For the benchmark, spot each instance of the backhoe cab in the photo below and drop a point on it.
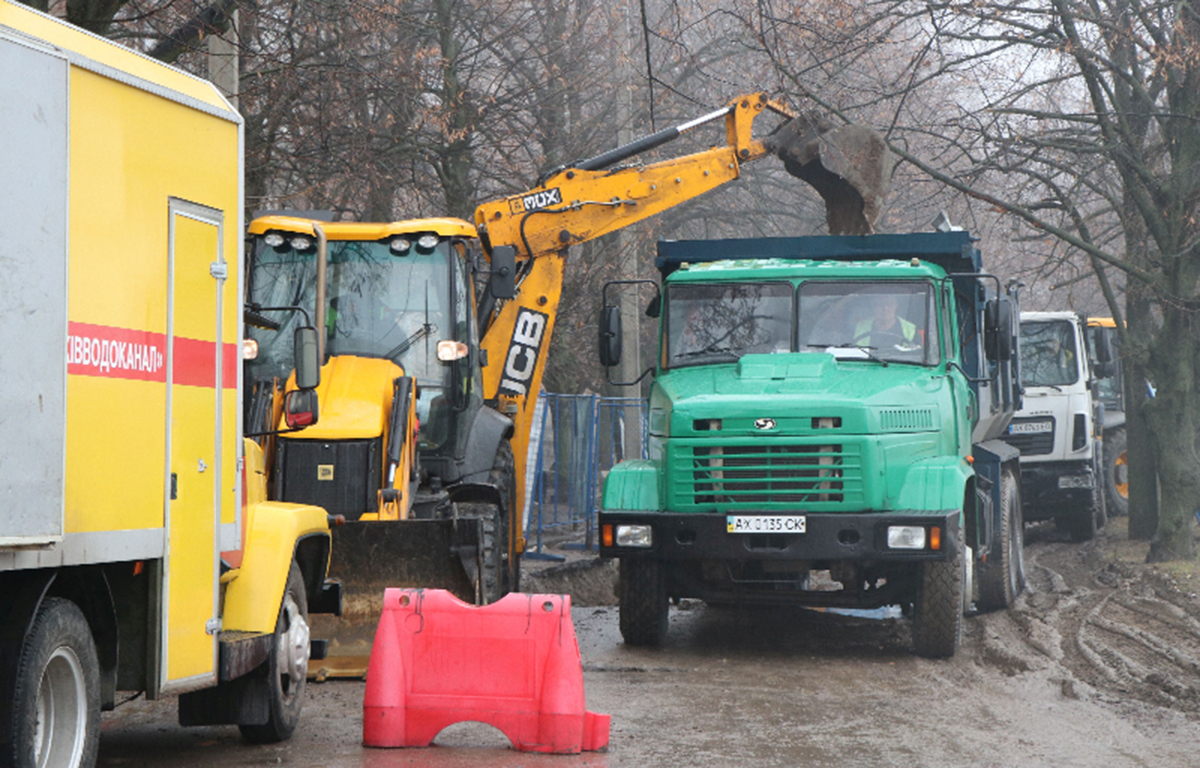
(403, 434)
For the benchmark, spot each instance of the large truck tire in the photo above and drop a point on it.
(56, 708)
(938, 608)
(286, 666)
(1084, 521)
(1004, 577)
(497, 578)
(507, 574)
(1116, 473)
(644, 611)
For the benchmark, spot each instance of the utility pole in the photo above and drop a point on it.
(223, 61)
(625, 239)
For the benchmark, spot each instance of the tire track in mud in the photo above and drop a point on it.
(1115, 631)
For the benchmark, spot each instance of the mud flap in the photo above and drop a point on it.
(370, 556)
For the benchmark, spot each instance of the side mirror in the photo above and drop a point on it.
(998, 329)
(1104, 349)
(308, 361)
(300, 408)
(654, 308)
(503, 281)
(1006, 329)
(1104, 370)
(610, 336)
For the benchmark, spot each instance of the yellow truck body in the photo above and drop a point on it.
(120, 451)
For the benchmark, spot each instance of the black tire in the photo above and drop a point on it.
(56, 704)
(1083, 521)
(501, 570)
(1004, 576)
(938, 608)
(286, 669)
(644, 611)
(1116, 473)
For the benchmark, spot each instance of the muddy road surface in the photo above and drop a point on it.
(1098, 664)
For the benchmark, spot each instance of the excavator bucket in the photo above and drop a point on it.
(370, 556)
(850, 166)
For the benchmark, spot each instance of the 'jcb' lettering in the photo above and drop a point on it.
(522, 359)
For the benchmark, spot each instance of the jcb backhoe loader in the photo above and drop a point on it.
(427, 391)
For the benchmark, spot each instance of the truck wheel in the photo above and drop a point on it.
(642, 591)
(1116, 473)
(286, 667)
(1004, 577)
(938, 608)
(56, 705)
(1083, 522)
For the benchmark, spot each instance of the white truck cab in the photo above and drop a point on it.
(1057, 430)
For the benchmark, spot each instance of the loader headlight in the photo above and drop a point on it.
(906, 537)
(249, 349)
(400, 245)
(273, 239)
(449, 351)
(427, 242)
(634, 536)
(302, 242)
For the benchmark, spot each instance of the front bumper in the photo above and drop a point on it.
(1041, 495)
(679, 537)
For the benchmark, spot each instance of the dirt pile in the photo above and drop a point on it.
(850, 166)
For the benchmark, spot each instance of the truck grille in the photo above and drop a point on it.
(1031, 443)
(753, 475)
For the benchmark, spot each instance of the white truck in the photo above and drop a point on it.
(1058, 429)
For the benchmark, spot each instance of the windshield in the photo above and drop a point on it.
(380, 304)
(1048, 355)
(721, 322)
(888, 321)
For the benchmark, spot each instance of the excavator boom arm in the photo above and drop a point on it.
(590, 199)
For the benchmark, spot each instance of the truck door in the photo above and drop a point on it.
(193, 480)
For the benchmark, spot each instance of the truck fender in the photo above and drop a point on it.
(991, 456)
(487, 430)
(273, 533)
(937, 483)
(632, 486)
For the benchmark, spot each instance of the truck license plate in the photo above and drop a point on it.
(1030, 427)
(765, 523)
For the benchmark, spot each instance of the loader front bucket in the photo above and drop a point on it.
(370, 556)
(850, 166)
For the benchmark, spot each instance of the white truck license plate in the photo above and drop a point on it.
(1030, 427)
(765, 523)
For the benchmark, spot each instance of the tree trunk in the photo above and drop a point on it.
(1139, 445)
(1172, 420)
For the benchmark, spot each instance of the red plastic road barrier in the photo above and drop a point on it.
(513, 664)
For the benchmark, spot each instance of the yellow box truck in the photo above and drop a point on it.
(137, 549)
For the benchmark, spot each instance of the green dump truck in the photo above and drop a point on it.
(824, 419)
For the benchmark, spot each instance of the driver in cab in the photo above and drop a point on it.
(884, 328)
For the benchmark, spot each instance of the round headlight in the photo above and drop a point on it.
(400, 245)
(301, 242)
(273, 239)
(427, 241)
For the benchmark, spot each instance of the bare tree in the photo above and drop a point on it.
(1079, 120)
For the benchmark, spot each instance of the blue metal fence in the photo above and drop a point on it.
(578, 440)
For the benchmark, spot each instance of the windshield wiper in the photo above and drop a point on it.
(861, 347)
(425, 330)
(711, 349)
